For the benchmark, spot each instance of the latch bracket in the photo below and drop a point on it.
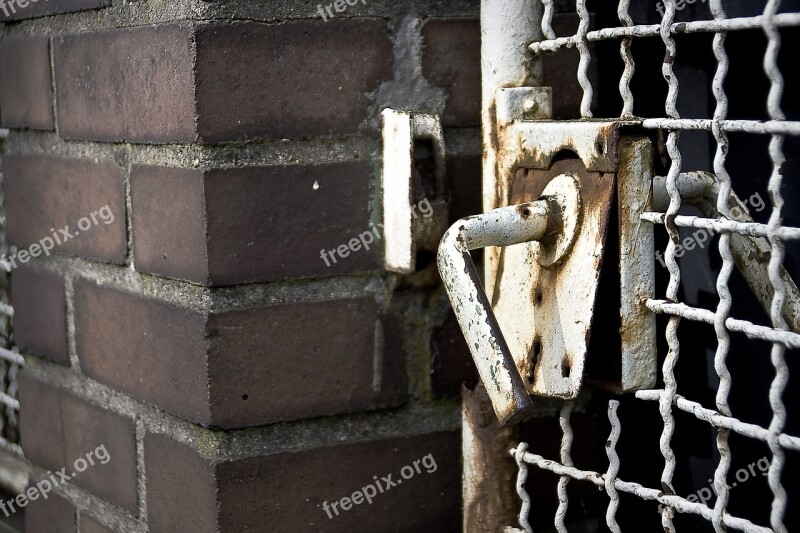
(544, 299)
(405, 232)
(545, 287)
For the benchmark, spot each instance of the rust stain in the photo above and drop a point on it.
(596, 188)
(486, 445)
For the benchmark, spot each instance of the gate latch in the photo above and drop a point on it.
(559, 182)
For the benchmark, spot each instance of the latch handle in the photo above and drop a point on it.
(505, 226)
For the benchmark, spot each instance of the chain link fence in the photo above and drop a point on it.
(768, 241)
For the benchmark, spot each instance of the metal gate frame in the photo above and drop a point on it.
(508, 27)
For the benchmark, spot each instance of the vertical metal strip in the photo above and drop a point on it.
(566, 460)
(627, 59)
(613, 467)
(638, 330)
(507, 28)
(725, 302)
(486, 467)
(585, 61)
(775, 266)
(670, 384)
(547, 20)
(522, 477)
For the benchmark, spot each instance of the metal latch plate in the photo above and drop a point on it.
(545, 304)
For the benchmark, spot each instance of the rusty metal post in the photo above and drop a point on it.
(506, 61)
(507, 27)
(488, 468)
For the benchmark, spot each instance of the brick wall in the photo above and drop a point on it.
(236, 382)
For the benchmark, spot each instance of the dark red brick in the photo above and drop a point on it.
(126, 85)
(271, 223)
(152, 350)
(292, 488)
(51, 515)
(227, 227)
(286, 491)
(38, 8)
(181, 491)
(59, 429)
(169, 222)
(41, 423)
(94, 429)
(295, 79)
(236, 368)
(452, 60)
(26, 89)
(40, 323)
(90, 525)
(45, 194)
(298, 361)
(464, 185)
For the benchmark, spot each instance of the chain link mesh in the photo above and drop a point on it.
(779, 332)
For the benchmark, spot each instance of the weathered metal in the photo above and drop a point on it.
(757, 249)
(654, 30)
(638, 356)
(545, 297)
(14, 469)
(612, 484)
(500, 227)
(530, 297)
(748, 240)
(535, 144)
(523, 103)
(487, 467)
(507, 26)
(404, 230)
